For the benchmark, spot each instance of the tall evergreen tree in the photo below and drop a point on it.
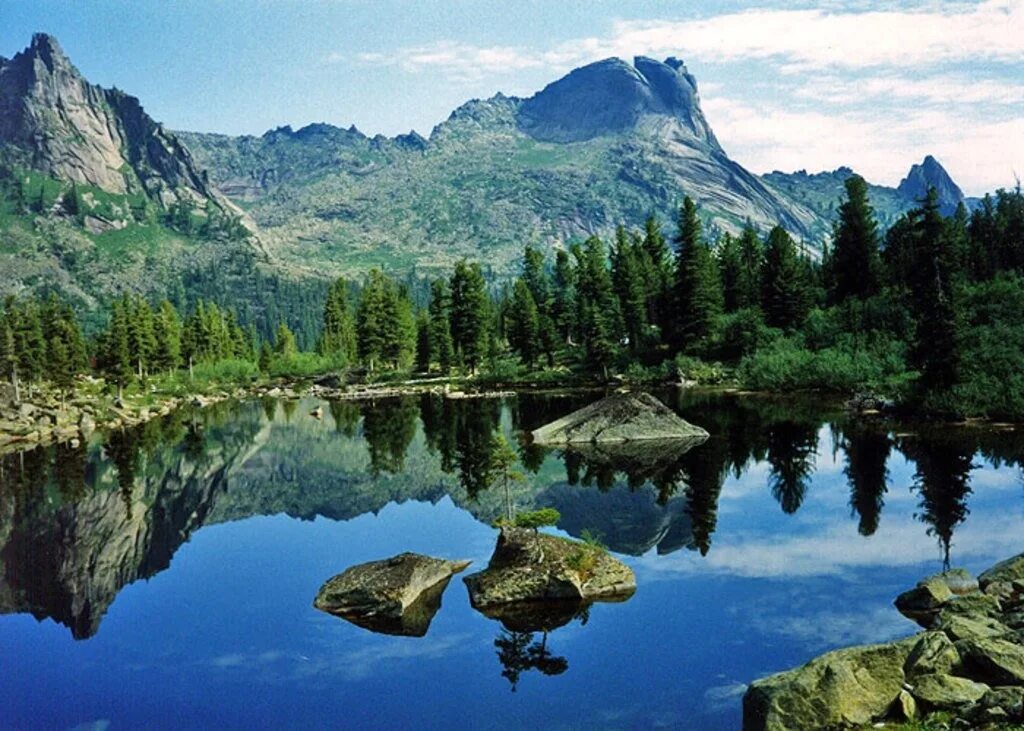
(749, 282)
(698, 291)
(338, 337)
(115, 359)
(630, 287)
(399, 327)
(785, 297)
(730, 268)
(855, 265)
(564, 301)
(538, 280)
(424, 354)
(523, 325)
(284, 341)
(935, 352)
(168, 338)
(8, 350)
(598, 317)
(657, 265)
(441, 345)
(471, 317)
(370, 326)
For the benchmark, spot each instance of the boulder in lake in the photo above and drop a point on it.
(621, 417)
(528, 566)
(848, 687)
(398, 595)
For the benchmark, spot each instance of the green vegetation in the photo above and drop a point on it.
(537, 518)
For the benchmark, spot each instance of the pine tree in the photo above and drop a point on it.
(855, 265)
(471, 318)
(630, 287)
(424, 356)
(440, 325)
(657, 264)
(523, 324)
(168, 338)
(598, 316)
(730, 267)
(538, 281)
(785, 298)
(749, 282)
(370, 316)
(935, 351)
(399, 327)
(115, 358)
(61, 366)
(284, 341)
(563, 309)
(142, 342)
(30, 344)
(698, 291)
(338, 338)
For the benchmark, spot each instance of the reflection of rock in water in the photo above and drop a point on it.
(626, 521)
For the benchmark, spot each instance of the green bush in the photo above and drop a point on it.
(743, 332)
(537, 518)
(297, 365)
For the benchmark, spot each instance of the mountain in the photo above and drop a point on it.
(930, 174)
(823, 192)
(608, 144)
(97, 197)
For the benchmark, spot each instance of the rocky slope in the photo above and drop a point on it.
(609, 143)
(930, 174)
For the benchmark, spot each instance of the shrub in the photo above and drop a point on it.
(537, 518)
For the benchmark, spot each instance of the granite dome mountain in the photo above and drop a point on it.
(97, 196)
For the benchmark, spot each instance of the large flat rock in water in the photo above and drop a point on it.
(397, 595)
(621, 417)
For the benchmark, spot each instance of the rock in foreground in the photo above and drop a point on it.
(398, 595)
(621, 417)
(534, 567)
(970, 665)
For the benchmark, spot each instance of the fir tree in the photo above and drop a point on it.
(730, 267)
(855, 265)
(399, 327)
(785, 297)
(142, 342)
(698, 291)
(370, 326)
(935, 352)
(563, 310)
(749, 281)
(8, 350)
(537, 279)
(598, 317)
(115, 358)
(657, 270)
(168, 338)
(470, 320)
(284, 342)
(630, 287)
(423, 340)
(523, 324)
(440, 325)
(338, 338)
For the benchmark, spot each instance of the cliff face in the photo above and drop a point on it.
(55, 122)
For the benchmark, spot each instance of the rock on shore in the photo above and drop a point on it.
(398, 595)
(621, 417)
(969, 663)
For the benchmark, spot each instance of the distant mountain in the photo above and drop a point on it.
(608, 144)
(824, 192)
(930, 174)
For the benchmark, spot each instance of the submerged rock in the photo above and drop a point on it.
(528, 566)
(621, 417)
(398, 595)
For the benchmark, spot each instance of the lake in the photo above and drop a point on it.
(163, 577)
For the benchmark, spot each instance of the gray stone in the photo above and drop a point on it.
(962, 627)
(1009, 699)
(397, 595)
(528, 566)
(947, 692)
(1008, 571)
(621, 417)
(994, 660)
(923, 603)
(849, 687)
(904, 708)
(932, 653)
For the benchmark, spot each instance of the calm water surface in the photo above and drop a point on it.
(163, 577)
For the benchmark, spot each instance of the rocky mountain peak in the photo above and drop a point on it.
(46, 48)
(612, 96)
(930, 174)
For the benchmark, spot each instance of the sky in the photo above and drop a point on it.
(872, 84)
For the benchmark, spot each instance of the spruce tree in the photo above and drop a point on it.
(538, 280)
(698, 291)
(338, 338)
(630, 287)
(471, 318)
(730, 267)
(284, 341)
(399, 327)
(599, 319)
(855, 265)
(563, 311)
(441, 345)
(935, 351)
(61, 366)
(785, 297)
(168, 338)
(115, 358)
(142, 342)
(424, 355)
(657, 264)
(8, 351)
(370, 316)
(523, 324)
(748, 285)
(30, 343)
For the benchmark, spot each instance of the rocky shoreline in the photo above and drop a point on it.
(965, 670)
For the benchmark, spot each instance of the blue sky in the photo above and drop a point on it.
(871, 84)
